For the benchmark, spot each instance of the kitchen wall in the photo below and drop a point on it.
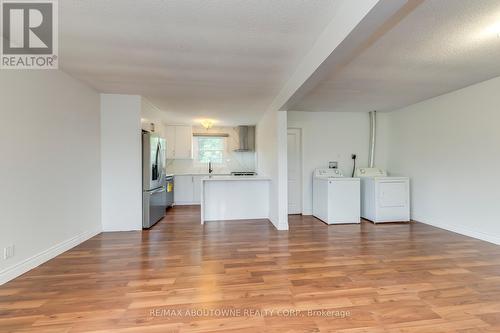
(330, 136)
(271, 147)
(449, 146)
(235, 161)
(50, 175)
(121, 160)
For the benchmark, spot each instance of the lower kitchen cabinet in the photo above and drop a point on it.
(187, 189)
(197, 189)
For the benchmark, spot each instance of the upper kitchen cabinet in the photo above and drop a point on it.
(170, 137)
(179, 141)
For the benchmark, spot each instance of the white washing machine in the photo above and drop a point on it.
(336, 199)
(383, 198)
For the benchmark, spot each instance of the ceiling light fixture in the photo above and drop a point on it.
(493, 29)
(207, 123)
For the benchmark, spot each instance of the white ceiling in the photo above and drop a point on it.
(439, 47)
(221, 59)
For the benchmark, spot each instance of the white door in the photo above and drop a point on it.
(197, 189)
(294, 171)
(170, 136)
(183, 190)
(183, 142)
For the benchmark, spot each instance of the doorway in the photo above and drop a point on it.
(294, 141)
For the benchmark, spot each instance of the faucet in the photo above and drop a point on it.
(210, 170)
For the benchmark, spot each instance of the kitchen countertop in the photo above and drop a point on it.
(247, 178)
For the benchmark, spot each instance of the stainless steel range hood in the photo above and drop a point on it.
(246, 142)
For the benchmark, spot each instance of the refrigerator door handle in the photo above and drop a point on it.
(161, 162)
(160, 190)
(157, 162)
(164, 159)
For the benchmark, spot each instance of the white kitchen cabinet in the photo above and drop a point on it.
(187, 189)
(197, 189)
(183, 142)
(179, 141)
(170, 137)
(183, 190)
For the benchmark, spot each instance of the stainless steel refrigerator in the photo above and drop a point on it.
(154, 191)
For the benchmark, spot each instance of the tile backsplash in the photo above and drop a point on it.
(234, 161)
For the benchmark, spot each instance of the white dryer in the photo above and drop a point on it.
(336, 199)
(383, 198)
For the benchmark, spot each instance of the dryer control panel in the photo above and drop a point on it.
(370, 172)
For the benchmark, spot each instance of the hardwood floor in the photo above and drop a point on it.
(181, 276)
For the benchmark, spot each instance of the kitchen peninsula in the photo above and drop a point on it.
(234, 198)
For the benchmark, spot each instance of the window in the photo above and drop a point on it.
(210, 149)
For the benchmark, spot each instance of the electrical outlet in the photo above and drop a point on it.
(8, 252)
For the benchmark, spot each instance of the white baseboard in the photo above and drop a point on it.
(462, 231)
(307, 212)
(28, 264)
(277, 225)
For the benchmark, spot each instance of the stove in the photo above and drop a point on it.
(243, 173)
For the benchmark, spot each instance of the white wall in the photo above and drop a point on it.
(449, 146)
(330, 136)
(50, 198)
(271, 150)
(121, 162)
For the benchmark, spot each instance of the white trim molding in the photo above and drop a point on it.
(307, 212)
(282, 140)
(28, 264)
(462, 231)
